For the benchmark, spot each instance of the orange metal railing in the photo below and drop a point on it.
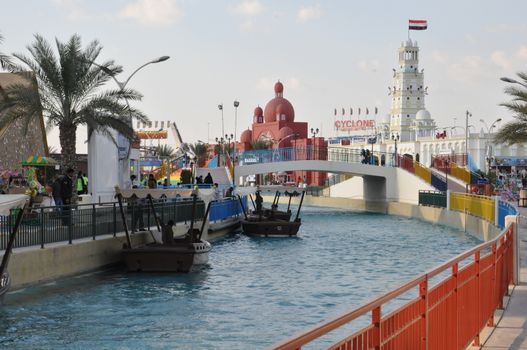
(446, 315)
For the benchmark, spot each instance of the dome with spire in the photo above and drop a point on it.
(282, 134)
(279, 108)
(258, 115)
(246, 136)
(423, 114)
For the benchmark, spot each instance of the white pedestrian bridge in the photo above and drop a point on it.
(373, 183)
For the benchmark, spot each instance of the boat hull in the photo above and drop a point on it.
(167, 258)
(270, 228)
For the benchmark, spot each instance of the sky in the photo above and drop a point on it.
(328, 54)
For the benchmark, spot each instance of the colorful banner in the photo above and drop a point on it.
(156, 135)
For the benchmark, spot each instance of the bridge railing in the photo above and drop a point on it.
(433, 198)
(345, 155)
(315, 153)
(454, 302)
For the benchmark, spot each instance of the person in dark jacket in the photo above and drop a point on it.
(66, 193)
(57, 197)
(208, 179)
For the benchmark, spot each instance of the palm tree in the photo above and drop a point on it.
(165, 151)
(515, 131)
(260, 144)
(5, 60)
(201, 152)
(67, 89)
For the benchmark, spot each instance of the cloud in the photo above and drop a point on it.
(439, 57)
(248, 8)
(74, 10)
(500, 59)
(368, 65)
(153, 12)
(309, 13)
(522, 52)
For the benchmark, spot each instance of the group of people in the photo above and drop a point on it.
(207, 180)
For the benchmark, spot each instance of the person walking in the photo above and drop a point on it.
(79, 184)
(259, 201)
(85, 183)
(152, 181)
(57, 196)
(66, 193)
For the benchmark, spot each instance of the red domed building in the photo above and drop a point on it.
(276, 123)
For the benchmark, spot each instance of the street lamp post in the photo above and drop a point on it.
(220, 107)
(314, 133)
(228, 139)
(122, 85)
(395, 137)
(236, 104)
(220, 142)
(488, 148)
(467, 134)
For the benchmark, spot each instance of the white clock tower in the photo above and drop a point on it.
(407, 92)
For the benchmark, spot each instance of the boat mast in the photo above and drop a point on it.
(11, 242)
(156, 218)
(243, 208)
(204, 220)
(300, 206)
(123, 217)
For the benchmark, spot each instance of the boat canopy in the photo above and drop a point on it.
(155, 193)
(206, 194)
(39, 161)
(11, 201)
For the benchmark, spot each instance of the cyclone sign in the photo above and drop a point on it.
(352, 125)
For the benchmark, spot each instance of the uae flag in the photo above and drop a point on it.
(414, 24)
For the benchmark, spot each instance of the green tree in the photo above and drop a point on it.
(5, 60)
(201, 152)
(164, 151)
(260, 144)
(68, 89)
(515, 131)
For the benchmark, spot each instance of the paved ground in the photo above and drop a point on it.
(511, 331)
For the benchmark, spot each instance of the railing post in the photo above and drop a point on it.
(70, 226)
(376, 322)
(114, 214)
(490, 323)
(423, 294)
(448, 199)
(42, 226)
(93, 221)
(496, 211)
(455, 270)
(478, 297)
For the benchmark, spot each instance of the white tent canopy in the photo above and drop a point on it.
(11, 201)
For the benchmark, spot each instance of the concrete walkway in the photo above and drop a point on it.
(511, 330)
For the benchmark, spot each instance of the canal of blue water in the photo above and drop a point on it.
(254, 292)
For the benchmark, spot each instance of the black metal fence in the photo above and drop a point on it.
(45, 225)
(433, 198)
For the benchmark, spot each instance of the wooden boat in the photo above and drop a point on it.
(8, 202)
(273, 212)
(267, 226)
(178, 254)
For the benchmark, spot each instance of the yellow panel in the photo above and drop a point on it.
(459, 173)
(480, 206)
(423, 172)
